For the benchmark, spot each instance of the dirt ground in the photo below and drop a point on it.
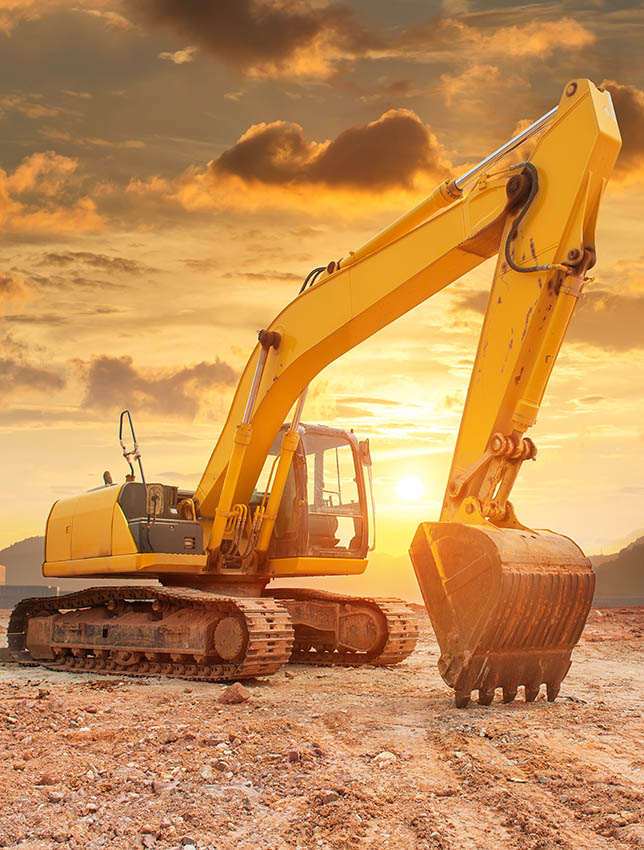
(319, 758)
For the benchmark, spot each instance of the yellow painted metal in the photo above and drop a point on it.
(81, 527)
(243, 436)
(151, 564)
(58, 533)
(288, 448)
(122, 540)
(351, 305)
(442, 196)
(88, 526)
(298, 567)
(574, 157)
(528, 312)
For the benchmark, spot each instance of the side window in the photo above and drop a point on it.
(335, 520)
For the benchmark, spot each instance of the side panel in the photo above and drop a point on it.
(295, 567)
(92, 523)
(151, 564)
(58, 533)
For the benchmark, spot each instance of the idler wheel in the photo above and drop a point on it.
(230, 638)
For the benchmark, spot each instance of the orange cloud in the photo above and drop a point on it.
(13, 290)
(277, 164)
(42, 177)
(12, 12)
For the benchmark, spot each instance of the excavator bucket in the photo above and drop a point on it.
(507, 606)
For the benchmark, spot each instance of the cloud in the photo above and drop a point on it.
(16, 375)
(112, 19)
(609, 321)
(114, 383)
(276, 164)
(13, 12)
(121, 265)
(475, 80)
(536, 39)
(30, 198)
(263, 37)
(180, 57)
(629, 108)
(386, 153)
(29, 105)
(12, 289)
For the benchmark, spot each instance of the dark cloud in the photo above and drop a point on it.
(384, 154)
(114, 383)
(16, 374)
(475, 301)
(609, 321)
(97, 261)
(629, 108)
(260, 36)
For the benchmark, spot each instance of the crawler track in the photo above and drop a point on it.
(268, 639)
(397, 640)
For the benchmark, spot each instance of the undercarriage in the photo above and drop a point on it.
(196, 634)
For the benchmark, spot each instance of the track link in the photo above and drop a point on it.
(397, 641)
(268, 644)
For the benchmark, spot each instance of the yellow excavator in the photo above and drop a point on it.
(280, 498)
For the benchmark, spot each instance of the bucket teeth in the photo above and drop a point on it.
(507, 605)
(509, 693)
(531, 692)
(486, 695)
(552, 690)
(462, 698)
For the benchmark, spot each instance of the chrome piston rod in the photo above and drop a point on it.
(505, 149)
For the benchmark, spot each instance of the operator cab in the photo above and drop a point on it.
(324, 509)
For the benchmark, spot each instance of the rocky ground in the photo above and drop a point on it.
(318, 758)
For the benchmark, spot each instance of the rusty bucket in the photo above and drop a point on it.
(507, 606)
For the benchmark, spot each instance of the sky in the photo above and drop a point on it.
(170, 170)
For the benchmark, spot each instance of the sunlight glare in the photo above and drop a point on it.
(410, 488)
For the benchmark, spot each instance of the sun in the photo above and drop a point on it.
(410, 489)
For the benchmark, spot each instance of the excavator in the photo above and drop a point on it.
(279, 498)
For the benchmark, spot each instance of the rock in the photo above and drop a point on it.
(221, 765)
(544, 779)
(329, 796)
(46, 779)
(56, 796)
(234, 694)
(293, 755)
(384, 758)
(148, 841)
(92, 807)
(147, 829)
(206, 772)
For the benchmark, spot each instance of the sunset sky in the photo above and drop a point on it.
(170, 170)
